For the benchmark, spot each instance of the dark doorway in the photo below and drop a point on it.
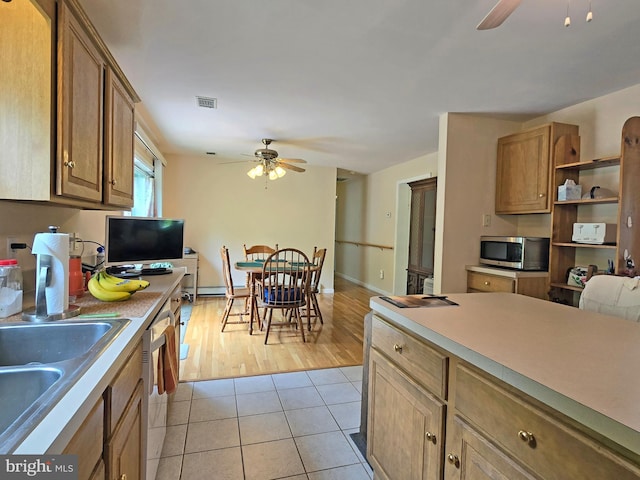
(422, 233)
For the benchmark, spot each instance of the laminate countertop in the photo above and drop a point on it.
(581, 363)
(53, 433)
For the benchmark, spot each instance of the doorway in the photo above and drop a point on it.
(422, 230)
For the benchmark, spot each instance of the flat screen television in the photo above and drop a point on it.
(139, 242)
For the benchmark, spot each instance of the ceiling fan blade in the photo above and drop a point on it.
(498, 14)
(291, 160)
(291, 167)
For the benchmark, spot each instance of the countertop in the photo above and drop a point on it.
(55, 431)
(581, 363)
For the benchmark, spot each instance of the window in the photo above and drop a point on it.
(147, 178)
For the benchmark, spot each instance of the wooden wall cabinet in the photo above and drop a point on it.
(89, 113)
(523, 174)
(94, 160)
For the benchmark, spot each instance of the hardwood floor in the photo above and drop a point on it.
(235, 353)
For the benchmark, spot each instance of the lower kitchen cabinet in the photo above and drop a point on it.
(485, 279)
(124, 450)
(514, 436)
(87, 444)
(405, 425)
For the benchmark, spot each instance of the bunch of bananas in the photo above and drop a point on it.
(108, 288)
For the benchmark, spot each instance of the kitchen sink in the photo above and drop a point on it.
(21, 387)
(39, 363)
(48, 342)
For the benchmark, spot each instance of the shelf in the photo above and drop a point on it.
(564, 286)
(587, 201)
(583, 245)
(596, 163)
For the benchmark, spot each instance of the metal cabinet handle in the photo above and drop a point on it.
(541, 195)
(487, 282)
(397, 348)
(527, 437)
(453, 460)
(431, 437)
(113, 182)
(69, 163)
(123, 476)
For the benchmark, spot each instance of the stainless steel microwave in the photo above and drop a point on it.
(520, 253)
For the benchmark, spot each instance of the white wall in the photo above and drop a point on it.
(221, 205)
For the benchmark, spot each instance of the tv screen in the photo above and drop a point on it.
(143, 240)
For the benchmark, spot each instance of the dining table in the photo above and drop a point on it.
(255, 268)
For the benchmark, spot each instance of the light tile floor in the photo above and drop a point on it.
(292, 426)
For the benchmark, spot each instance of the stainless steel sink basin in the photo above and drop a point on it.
(21, 387)
(39, 363)
(48, 342)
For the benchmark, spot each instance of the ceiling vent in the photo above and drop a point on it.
(207, 102)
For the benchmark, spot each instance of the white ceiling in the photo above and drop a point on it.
(357, 84)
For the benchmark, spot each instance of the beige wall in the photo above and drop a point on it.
(368, 211)
(221, 205)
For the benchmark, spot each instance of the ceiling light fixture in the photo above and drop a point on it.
(589, 13)
(268, 168)
(567, 20)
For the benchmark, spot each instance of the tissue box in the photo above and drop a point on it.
(569, 192)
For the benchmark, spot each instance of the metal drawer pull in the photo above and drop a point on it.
(431, 437)
(69, 164)
(397, 348)
(453, 460)
(487, 282)
(527, 437)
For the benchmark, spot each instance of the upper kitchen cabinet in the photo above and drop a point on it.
(66, 110)
(523, 174)
(27, 38)
(94, 160)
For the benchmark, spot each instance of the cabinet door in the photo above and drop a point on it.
(405, 425)
(124, 451)
(119, 128)
(470, 456)
(80, 90)
(522, 176)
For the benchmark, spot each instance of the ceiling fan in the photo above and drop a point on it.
(270, 164)
(498, 14)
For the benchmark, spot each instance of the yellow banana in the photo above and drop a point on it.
(115, 284)
(105, 295)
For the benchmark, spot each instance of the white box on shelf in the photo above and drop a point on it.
(569, 192)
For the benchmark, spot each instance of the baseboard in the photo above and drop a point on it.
(362, 284)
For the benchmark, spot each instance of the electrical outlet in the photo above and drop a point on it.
(486, 220)
(11, 253)
(381, 274)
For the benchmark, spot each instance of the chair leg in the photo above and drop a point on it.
(225, 314)
(267, 317)
(299, 320)
(316, 308)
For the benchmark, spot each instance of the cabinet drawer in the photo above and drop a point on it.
(425, 364)
(120, 391)
(481, 282)
(539, 441)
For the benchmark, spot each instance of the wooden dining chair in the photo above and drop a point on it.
(314, 287)
(232, 294)
(284, 286)
(258, 252)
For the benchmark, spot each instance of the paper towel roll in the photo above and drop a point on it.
(55, 245)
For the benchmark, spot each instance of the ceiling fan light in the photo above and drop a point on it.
(567, 21)
(259, 170)
(273, 175)
(252, 173)
(281, 172)
(589, 15)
